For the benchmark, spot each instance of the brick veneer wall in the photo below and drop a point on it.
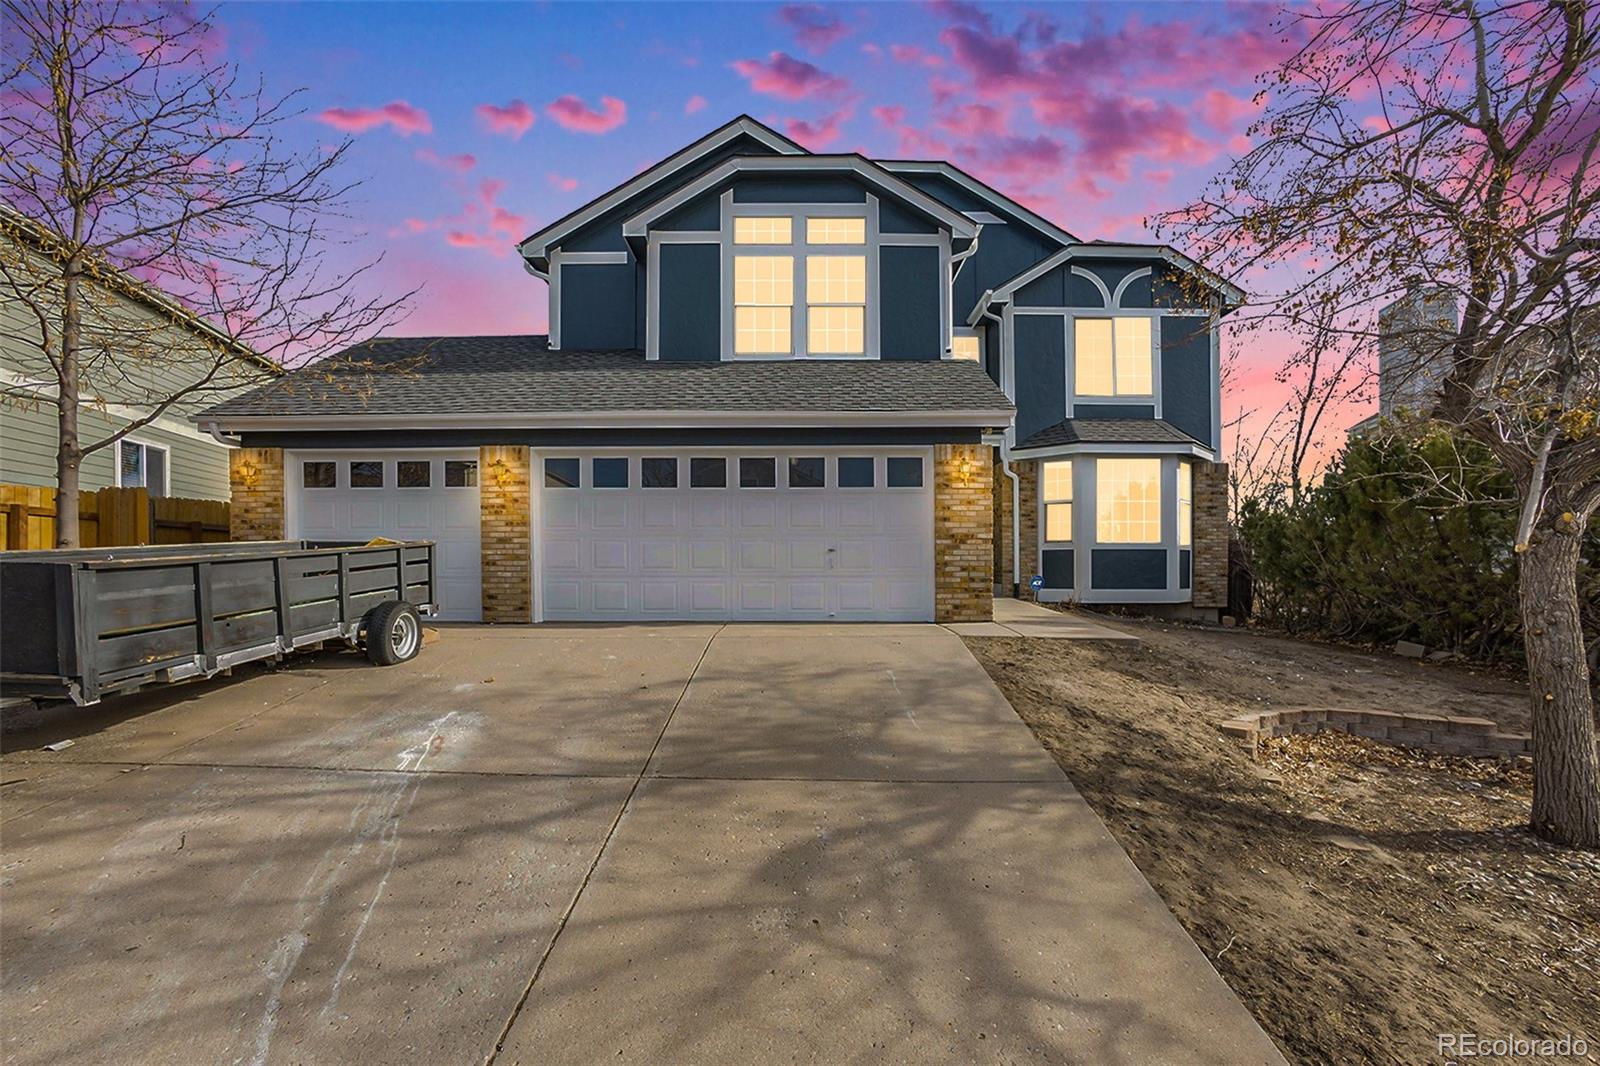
(255, 477)
(1028, 523)
(963, 533)
(1210, 535)
(505, 487)
(1002, 526)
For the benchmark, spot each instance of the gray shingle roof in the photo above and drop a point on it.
(517, 375)
(1109, 431)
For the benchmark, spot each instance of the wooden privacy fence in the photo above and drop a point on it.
(110, 517)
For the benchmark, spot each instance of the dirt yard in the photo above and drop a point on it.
(1359, 898)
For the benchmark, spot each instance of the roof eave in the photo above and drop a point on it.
(978, 418)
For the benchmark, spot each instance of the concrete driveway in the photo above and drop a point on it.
(569, 844)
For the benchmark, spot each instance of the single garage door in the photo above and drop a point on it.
(425, 495)
(736, 534)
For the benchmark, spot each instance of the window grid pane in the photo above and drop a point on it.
(658, 473)
(904, 472)
(763, 230)
(460, 473)
(1058, 522)
(763, 280)
(413, 474)
(708, 473)
(761, 330)
(758, 473)
(836, 231)
(1058, 480)
(836, 330)
(319, 475)
(836, 279)
(1092, 357)
(855, 472)
(366, 474)
(1133, 356)
(1185, 504)
(1128, 501)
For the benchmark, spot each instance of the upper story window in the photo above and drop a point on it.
(763, 304)
(1113, 357)
(779, 259)
(968, 345)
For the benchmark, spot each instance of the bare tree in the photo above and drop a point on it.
(1448, 144)
(129, 154)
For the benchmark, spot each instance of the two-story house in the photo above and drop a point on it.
(782, 385)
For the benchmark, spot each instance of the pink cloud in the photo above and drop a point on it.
(561, 182)
(821, 133)
(891, 115)
(693, 104)
(1223, 111)
(815, 28)
(792, 79)
(572, 113)
(911, 143)
(915, 55)
(458, 163)
(487, 242)
(973, 120)
(513, 120)
(416, 225)
(405, 119)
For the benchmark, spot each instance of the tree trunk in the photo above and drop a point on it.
(69, 452)
(1566, 782)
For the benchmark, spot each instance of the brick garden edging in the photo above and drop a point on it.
(1446, 734)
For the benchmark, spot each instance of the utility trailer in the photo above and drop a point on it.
(86, 623)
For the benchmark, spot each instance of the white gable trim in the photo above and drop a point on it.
(535, 246)
(979, 189)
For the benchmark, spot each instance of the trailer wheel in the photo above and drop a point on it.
(394, 633)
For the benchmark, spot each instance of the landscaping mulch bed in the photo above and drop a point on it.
(1361, 899)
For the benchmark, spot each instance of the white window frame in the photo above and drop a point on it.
(1046, 500)
(144, 464)
(798, 250)
(1114, 396)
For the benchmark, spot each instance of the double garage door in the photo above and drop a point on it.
(659, 534)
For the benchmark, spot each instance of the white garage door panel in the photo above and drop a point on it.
(742, 553)
(448, 516)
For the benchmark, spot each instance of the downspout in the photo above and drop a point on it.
(1011, 475)
(222, 438)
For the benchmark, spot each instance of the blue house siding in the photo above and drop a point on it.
(690, 293)
(1004, 251)
(597, 305)
(799, 189)
(1041, 373)
(1128, 568)
(1186, 374)
(893, 218)
(908, 298)
(702, 213)
(1059, 288)
(1113, 410)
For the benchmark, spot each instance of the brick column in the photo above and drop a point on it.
(1028, 523)
(255, 478)
(505, 488)
(963, 533)
(1211, 534)
(1002, 525)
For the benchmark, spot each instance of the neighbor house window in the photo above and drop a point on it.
(1057, 487)
(763, 304)
(1185, 504)
(968, 346)
(1112, 357)
(142, 466)
(1127, 503)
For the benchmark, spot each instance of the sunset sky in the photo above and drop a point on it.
(477, 123)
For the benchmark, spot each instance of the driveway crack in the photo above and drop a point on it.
(566, 915)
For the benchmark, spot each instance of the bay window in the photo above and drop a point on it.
(1185, 504)
(1128, 501)
(1058, 501)
(1113, 357)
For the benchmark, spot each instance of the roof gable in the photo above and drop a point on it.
(985, 194)
(857, 166)
(1232, 295)
(537, 245)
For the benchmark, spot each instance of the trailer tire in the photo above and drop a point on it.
(394, 633)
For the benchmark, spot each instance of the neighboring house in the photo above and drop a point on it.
(1411, 363)
(783, 385)
(140, 347)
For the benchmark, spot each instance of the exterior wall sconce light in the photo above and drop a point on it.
(249, 473)
(500, 470)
